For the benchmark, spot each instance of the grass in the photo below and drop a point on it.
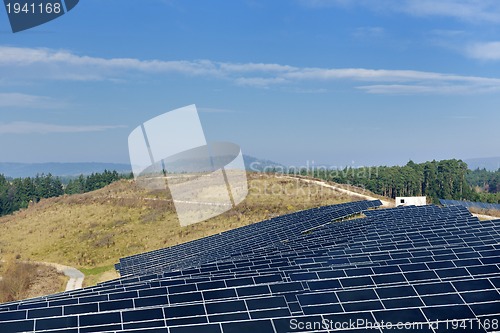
(487, 212)
(92, 231)
(96, 270)
(98, 274)
(16, 280)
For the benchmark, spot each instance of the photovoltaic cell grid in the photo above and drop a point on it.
(248, 237)
(470, 204)
(433, 269)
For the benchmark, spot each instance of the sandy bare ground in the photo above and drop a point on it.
(47, 280)
(486, 217)
(343, 190)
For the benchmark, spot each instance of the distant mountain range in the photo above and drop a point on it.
(488, 163)
(259, 165)
(16, 170)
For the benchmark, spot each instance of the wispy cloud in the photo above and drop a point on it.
(463, 43)
(261, 82)
(214, 110)
(254, 67)
(414, 89)
(477, 11)
(484, 51)
(403, 81)
(369, 32)
(448, 33)
(24, 127)
(19, 100)
(63, 65)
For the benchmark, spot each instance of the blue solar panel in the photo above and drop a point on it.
(470, 204)
(419, 264)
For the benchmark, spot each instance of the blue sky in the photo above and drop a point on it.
(336, 82)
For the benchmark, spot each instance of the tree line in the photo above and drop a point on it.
(446, 179)
(484, 180)
(486, 183)
(93, 182)
(18, 193)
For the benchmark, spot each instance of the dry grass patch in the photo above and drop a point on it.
(22, 280)
(487, 212)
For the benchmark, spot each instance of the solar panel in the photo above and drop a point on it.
(470, 204)
(422, 265)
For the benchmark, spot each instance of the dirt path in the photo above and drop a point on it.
(75, 276)
(485, 217)
(342, 190)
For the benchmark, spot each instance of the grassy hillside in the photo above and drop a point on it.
(92, 231)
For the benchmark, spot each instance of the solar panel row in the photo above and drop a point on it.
(470, 204)
(245, 238)
(429, 268)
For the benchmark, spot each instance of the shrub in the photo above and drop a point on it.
(16, 280)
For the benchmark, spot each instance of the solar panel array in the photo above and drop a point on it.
(406, 269)
(231, 242)
(470, 204)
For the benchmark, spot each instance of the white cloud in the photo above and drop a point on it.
(261, 82)
(19, 100)
(254, 67)
(484, 51)
(63, 65)
(387, 75)
(413, 89)
(25, 127)
(478, 11)
(467, 10)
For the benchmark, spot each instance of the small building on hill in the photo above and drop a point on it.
(411, 201)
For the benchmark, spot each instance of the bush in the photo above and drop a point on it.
(16, 280)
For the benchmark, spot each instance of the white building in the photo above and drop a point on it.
(411, 201)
